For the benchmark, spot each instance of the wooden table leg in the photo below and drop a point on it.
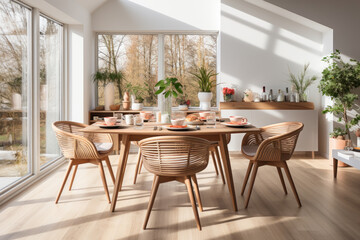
(335, 166)
(227, 167)
(124, 151)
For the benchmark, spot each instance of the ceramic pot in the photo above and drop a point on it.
(109, 95)
(16, 101)
(337, 143)
(205, 98)
(137, 106)
(126, 105)
(126, 97)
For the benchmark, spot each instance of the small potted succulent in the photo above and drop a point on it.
(137, 93)
(184, 104)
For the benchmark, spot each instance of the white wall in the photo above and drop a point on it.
(259, 43)
(156, 15)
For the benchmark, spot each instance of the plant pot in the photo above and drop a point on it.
(183, 107)
(115, 107)
(205, 100)
(126, 105)
(16, 101)
(137, 106)
(109, 95)
(126, 97)
(336, 143)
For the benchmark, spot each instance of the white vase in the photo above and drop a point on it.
(16, 101)
(109, 95)
(165, 108)
(205, 100)
(137, 106)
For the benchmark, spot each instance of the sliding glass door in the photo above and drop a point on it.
(15, 39)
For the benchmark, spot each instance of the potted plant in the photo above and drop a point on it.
(206, 82)
(184, 104)
(338, 80)
(228, 94)
(301, 82)
(137, 93)
(169, 87)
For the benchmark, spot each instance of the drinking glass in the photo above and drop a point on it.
(211, 120)
(138, 122)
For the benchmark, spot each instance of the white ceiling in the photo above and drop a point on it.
(91, 5)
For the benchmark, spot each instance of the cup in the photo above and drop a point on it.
(238, 119)
(129, 119)
(138, 121)
(211, 120)
(110, 121)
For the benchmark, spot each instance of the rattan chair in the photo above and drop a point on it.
(82, 148)
(175, 158)
(274, 145)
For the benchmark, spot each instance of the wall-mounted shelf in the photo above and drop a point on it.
(267, 105)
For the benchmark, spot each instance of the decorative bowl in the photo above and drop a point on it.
(238, 119)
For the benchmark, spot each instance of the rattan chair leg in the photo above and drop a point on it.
(141, 163)
(248, 171)
(281, 179)
(197, 192)
(108, 164)
(154, 190)
(65, 178)
(192, 200)
(252, 181)
(287, 171)
(219, 164)
(214, 161)
(137, 166)
(73, 177)
(103, 178)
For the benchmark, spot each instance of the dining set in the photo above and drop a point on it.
(178, 155)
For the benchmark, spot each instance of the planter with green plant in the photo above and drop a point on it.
(338, 81)
(137, 92)
(169, 87)
(108, 79)
(206, 81)
(302, 82)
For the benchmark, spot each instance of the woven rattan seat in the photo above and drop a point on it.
(82, 148)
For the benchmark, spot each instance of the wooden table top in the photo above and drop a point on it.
(148, 129)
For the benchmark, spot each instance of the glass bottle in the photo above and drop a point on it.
(286, 96)
(280, 97)
(264, 95)
(292, 95)
(270, 97)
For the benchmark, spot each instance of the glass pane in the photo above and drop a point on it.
(50, 87)
(14, 45)
(184, 54)
(136, 57)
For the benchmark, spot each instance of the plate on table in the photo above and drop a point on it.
(235, 124)
(198, 122)
(103, 125)
(179, 128)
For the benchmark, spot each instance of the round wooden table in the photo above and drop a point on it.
(132, 133)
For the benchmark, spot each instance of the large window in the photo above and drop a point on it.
(14, 77)
(50, 86)
(137, 57)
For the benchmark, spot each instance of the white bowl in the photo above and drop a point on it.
(238, 119)
(177, 122)
(110, 121)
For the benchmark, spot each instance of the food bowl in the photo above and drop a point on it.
(238, 119)
(177, 122)
(110, 121)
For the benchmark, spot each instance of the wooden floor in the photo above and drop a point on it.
(331, 208)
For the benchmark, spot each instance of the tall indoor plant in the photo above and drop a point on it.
(338, 81)
(206, 82)
(169, 87)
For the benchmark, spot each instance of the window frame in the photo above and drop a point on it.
(161, 66)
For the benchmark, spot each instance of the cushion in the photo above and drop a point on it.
(250, 150)
(103, 147)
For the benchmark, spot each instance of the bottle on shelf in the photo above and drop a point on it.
(292, 94)
(264, 95)
(280, 97)
(286, 96)
(271, 96)
(297, 96)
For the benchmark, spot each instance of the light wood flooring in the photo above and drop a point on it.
(331, 208)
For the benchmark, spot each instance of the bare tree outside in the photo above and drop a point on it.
(137, 57)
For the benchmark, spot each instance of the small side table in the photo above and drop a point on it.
(349, 157)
